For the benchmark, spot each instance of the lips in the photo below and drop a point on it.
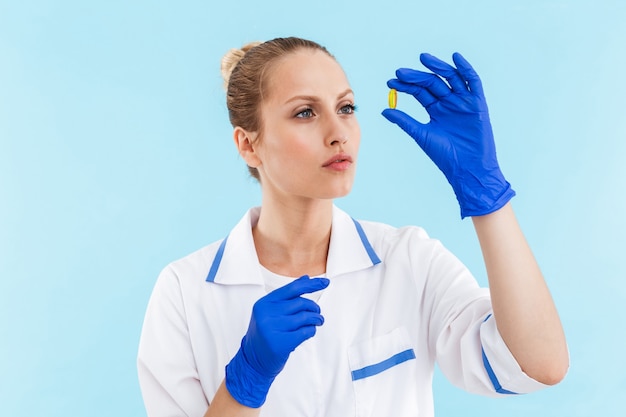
(340, 158)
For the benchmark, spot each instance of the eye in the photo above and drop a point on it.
(347, 109)
(305, 114)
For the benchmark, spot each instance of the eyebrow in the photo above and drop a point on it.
(316, 99)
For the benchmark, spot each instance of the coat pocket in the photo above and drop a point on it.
(384, 375)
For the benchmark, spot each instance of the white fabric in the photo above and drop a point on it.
(418, 299)
(273, 281)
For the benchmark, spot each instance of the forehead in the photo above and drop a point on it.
(305, 71)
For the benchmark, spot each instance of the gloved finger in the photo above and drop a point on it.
(297, 287)
(302, 334)
(468, 73)
(445, 70)
(433, 83)
(299, 304)
(418, 131)
(420, 93)
(298, 320)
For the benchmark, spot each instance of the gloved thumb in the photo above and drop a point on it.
(418, 131)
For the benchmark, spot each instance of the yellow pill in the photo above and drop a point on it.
(393, 98)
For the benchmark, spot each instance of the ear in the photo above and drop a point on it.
(244, 142)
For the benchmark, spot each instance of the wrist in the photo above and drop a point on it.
(478, 196)
(244, 383)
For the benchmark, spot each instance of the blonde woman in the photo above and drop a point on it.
(304, 311)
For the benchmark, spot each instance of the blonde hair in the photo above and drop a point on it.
(245, 71)
(232, 58)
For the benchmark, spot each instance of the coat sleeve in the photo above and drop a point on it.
(463, 334)
(167, 370)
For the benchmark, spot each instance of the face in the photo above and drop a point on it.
(310, 135)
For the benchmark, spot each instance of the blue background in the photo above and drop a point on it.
(116, 158)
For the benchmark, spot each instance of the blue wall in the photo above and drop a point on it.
(116, 158)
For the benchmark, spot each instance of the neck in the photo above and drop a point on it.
(292, 239)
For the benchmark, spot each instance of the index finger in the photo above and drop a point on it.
(297, 287)
(431, 82)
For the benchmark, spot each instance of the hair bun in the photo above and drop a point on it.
(232, 58)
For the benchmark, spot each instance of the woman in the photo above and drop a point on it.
(362, 336)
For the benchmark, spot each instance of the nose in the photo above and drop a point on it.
(339, 141)
(336, 132)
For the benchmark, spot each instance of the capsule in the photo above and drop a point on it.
(393, 98)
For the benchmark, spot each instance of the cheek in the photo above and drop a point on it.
(284, 148)
(296, 141)
(356, 133)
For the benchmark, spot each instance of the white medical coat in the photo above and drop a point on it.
(397, 302)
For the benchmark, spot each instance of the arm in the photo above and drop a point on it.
(169, 380)
(459, 140)
(224, 405)
(280, 322)
(166, 366)
(523, 308)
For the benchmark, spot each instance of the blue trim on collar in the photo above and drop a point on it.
(216, 261)
(368, 247)
(220, 252)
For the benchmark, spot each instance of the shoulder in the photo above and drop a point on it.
(408, 247)
(193, 267)
(385, 236)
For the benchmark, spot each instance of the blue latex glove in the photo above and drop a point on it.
(280, 322)
(458, 138)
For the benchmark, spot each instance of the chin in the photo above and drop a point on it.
(341, 191)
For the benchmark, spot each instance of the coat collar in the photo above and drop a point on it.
(236, 261)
